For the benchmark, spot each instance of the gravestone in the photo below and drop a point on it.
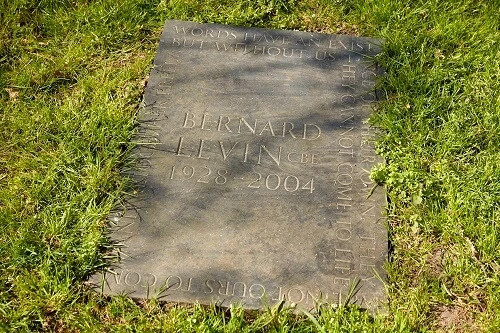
(253, 165)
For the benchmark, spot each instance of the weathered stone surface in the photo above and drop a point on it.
(254, 161)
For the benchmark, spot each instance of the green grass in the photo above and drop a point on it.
(71, 78)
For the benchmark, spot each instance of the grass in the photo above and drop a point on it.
(71, 78)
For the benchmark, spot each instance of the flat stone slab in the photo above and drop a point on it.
(253, 168)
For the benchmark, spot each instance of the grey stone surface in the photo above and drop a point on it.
(253, 172)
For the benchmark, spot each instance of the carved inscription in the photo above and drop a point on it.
(259, 127)
(224, 288)
(266, 44)
(254, 157)
(249, 151)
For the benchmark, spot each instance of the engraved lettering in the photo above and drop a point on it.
(342, 281)
(312, 41)
(343, 193)
(288, 186)
(343, 260)
(267, 127)
(148, 282)
(204, 179)
(227, 124)
(365, 178)
(182, 30)
(367, 252)
(273, 51)
(189, 120)
(349, 72)
(342, 44)
(265, 38)
(368, 159)
(159, 105)
(245, 154)
(179, 148)
(173, 282)
(200, 150)
(312, 298)
(199, 32)
(208, 284)
(256, 291)
(204, 121)
(343, 230)
(343, 206)
(253, 184)
(221, 177)
(273, 181)
(343, 234)
(345, 142)
(367, 268)
(277, 182)
(209, 32)
(276, 159)
(176, 42)
(348, 152)
(259, 125)
(223, 45)
(346, 167)
(290, 159)
(295, 295)
(220, 123)
(187, 171)
(242, 287)
(344, 179)
(347, 131)
(323, 55)
(371, 280)
(118, 277)
(223, 150)
(132, 278)
(368, 210)
(314, 136)
(188, 288)
(291, 51)
(252, 129)
(196, 32)
(350, 85)
(285, 130)
(257, 50)
(347, 99)
(224, 289)
(188, 43)
(280, 297)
